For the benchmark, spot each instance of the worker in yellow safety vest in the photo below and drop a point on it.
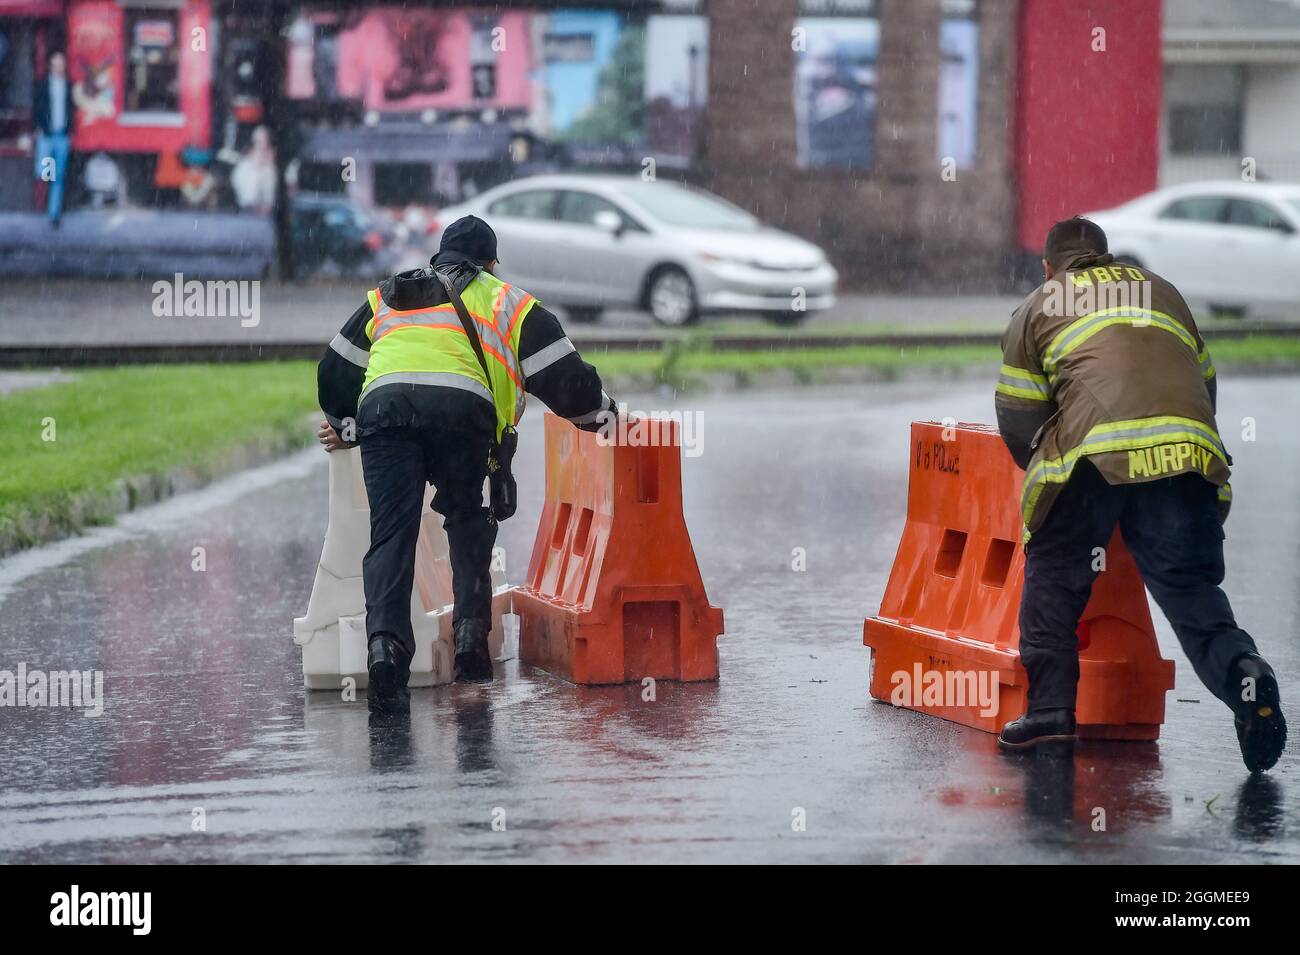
(429, 376)
(1106, 399)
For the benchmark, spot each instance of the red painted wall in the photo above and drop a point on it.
(1087, 122)
(96, 37)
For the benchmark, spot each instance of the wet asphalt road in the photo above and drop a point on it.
(205, 706)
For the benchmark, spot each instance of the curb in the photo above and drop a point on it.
(96, 355)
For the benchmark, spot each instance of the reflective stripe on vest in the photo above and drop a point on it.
(1117, 436)
(444, 316)
(546, 357)
(446, 379)
(345, 349)
(591, 417)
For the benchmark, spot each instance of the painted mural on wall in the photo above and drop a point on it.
(566, 76)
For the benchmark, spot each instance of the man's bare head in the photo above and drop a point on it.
(1069, 238)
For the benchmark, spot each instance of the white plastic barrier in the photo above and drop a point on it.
(332, 633)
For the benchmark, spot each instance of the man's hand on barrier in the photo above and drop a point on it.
(330, 440)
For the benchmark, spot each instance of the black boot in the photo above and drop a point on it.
(388, 663)
(473, 659)
(1257, 708)
(1052, 727)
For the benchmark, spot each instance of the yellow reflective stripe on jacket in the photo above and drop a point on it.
(1023, 383)
(1078, 332)
(1117, 436)
(1206, 363)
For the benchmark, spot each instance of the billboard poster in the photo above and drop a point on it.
(582, 51)
(141, 75)
(568, 76)
(835, 91)
(676, 82)
(837, 45)
(400, 60)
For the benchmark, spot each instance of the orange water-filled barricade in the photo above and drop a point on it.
(946, 639)
(613, 592)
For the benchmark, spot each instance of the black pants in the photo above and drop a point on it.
(397, 463)
(1171, 526)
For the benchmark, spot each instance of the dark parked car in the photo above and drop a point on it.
(332, 233)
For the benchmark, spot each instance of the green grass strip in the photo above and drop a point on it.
(138, 422)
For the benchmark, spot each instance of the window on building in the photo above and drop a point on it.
(403, 184)
(320, 177)
(568, 48)
(1203, 109)
(16, 75)
(152, 60)
(959, 70)
(483, 58)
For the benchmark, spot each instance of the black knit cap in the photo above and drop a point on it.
(469, 237)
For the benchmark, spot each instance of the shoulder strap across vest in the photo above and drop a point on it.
(463, 314)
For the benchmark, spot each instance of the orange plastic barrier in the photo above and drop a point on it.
(613, 592)
(948, 619)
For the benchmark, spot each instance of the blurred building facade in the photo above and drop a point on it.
(937, 85)
(1232, 90)
(164, 94)
(920, 142)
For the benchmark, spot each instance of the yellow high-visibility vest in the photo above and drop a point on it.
(428, 346)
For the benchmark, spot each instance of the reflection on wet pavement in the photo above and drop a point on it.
(207, 726)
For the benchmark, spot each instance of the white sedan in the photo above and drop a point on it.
(1228, 246)
(592, 242)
